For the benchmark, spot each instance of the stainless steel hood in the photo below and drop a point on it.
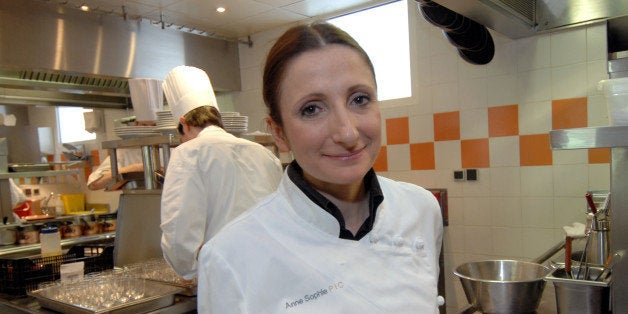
(52, 54)
(523, 18)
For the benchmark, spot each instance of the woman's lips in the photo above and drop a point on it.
(347, 155)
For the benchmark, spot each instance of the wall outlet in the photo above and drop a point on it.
(458, 175)
(472, 174)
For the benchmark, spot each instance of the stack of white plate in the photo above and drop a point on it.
(234, 123)
(165, 120)
(126, 132)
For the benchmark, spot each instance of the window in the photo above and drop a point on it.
(383, 33)
(72, 125)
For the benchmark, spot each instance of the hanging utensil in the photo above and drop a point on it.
(568, 241)
(610, 263)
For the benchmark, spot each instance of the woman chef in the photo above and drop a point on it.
(334, 237)
(212, 176)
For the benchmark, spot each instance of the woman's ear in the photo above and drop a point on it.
(277, 131)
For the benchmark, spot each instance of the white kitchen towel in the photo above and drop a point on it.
(188, 88)
(575, 231)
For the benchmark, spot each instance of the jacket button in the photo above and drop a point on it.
(398, 240)
(373, 240)
(418, 245)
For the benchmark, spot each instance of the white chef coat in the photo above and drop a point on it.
(210, 180)
(285, 256)
(125, 157)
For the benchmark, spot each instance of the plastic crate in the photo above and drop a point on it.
(21, 275)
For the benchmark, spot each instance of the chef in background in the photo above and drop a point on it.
(147, 98)
(212, 176)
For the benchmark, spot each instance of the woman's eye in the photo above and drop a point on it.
(310, 110)
(361, 100)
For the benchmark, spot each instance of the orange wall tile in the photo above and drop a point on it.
(475, 153)
(599, 155)
(447, 126)
(503, 121)
(534, 150)
(569, 113)
(95, 157)
(381, 163)
(397, 131)
(422, 156)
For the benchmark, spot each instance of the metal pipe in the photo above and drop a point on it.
(549, 253)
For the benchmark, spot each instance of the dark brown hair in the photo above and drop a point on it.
(291, 44)
(203, 116)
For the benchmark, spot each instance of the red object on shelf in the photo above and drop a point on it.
(23, 209)
(591, 203)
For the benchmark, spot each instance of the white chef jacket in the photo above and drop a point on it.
(285, 256)
(125, 157)
(210, 180)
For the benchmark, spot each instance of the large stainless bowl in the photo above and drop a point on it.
(503, 286)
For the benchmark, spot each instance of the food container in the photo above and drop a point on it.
(28, 234)
(89, 225)
(73, 203)
(8, 235)
(108, 222)
(71, 230)
(503, 286)
(616, 94)
(577, 296)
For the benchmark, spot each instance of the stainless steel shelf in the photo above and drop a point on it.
(33, 174)
(65, 243)
(142, 141)
(594, 137)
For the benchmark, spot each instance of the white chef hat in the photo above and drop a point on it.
(188, 88)
(147, 97)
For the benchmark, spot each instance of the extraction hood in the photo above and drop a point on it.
(51, 54)
(524, 18)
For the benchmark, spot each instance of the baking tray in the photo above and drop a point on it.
(156, 296)
(188, 290)
(29, 167)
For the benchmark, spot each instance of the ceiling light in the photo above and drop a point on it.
(84, 7)
(221, 9)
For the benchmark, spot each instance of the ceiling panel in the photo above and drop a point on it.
(243, 17)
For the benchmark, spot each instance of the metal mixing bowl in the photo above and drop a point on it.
(503, 286)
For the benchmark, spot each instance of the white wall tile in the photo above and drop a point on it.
(534, 86)
(505, 181)
(533, 53)
(473, 93)
(570, 157)
(599, 177)
(569, 81)
(504, 60)
(537, 181)
(569, 46)
(455, 210)
(504, 151)
(447, 155)
(597, 111)
(535, 117)
(536, 241)
(570, 180)
(502, 90)
(251, 78)
(508, 241)
(468, 71)
(445, 97)
(398, 157)
(453, 239)
(473, 124)
(477, 211)
(537, 212)
(568, 210)
(596, 41)
(596, 71)
(444, 68)
(506, 212)
(445, 179)
(421, 128)
(478, 240)
(424, 103)
(481, 187)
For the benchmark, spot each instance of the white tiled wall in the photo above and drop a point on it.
(511, 211)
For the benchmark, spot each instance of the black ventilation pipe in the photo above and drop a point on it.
(472, 39)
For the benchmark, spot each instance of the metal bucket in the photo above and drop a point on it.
(575, 296)
(503, 286)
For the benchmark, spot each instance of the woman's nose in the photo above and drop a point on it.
(345, 127)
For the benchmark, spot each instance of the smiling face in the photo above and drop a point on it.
(330, 115)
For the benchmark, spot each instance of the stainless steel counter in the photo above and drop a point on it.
(183, 304)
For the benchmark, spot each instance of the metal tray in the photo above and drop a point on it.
(29, 167)
(188, 290)
(156, 296)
